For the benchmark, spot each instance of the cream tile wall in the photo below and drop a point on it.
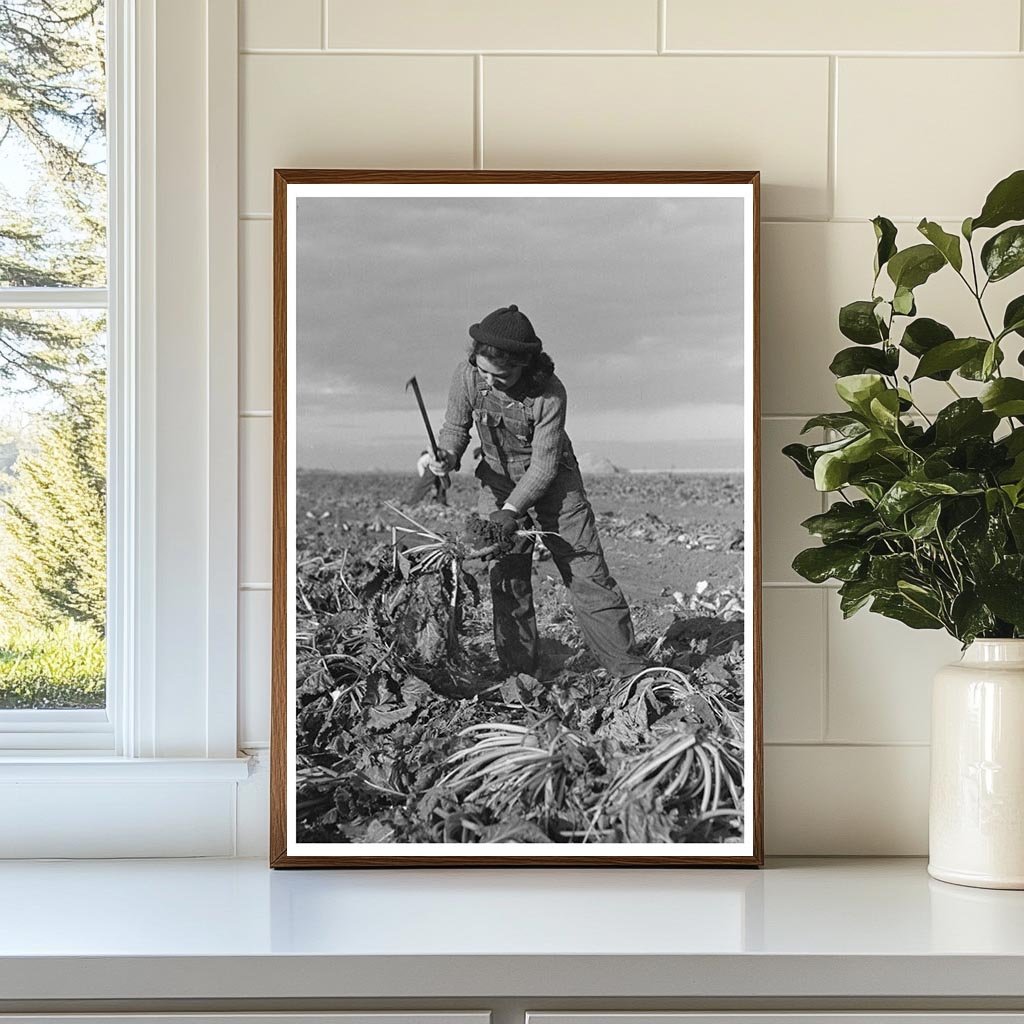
(909, 110)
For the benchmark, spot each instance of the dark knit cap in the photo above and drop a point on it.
(507, 329)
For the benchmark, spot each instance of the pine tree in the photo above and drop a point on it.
(53, 124)
(53, 121)
(53, 521)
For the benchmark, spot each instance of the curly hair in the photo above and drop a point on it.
(538, 368)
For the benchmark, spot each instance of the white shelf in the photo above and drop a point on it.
(232, 929)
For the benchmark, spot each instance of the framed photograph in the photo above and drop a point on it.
(516, 567)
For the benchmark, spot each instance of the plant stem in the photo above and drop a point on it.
(978, 293)
(954, 568)
(924, 415)
(988, 326)
(974, 269)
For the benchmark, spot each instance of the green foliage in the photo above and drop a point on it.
(947, 244)
(52, 123)
(53, 520)
(53, 234)
(61, 667)
(927, 525)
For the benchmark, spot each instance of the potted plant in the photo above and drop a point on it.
(927, 521)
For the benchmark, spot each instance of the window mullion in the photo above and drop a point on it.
(53, 298)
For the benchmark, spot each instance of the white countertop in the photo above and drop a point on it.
(234, 929)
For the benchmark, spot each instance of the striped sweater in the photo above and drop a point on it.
(549, 437)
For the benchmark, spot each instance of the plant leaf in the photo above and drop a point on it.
(925, 518)
(849, 361)
(834, 446)
(966, 417)
(841, 421)
(903, 302)
(1013, 474)
(974, 368)
(885, 237)
(949, 355)
(841, 561)
(799, 455)
(1013, 317)
(886, 571)
(866, 445)
(906, 494)
(858, 389)
(923, 335)
(831, 471)
(897, 607)
(843, 521)
(991, 360)
(947, 244)
(857, 321)
(885, 409)
(1003, 596)
(970, 616)
(1004, 397)
(1003, 254)
(854, 594)
(912, 267)
(1005, 202)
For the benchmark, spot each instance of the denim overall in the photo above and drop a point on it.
(505, 428)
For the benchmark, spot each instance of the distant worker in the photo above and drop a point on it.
(427, 483)
(508, 388)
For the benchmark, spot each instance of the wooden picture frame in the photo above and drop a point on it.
(696, 709)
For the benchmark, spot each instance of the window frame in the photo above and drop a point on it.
(56, 730)
(172, 510)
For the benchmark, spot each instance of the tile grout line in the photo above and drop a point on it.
(258, 51)
(851, 744)
(825, 709)
(258, 215)
(826, 690)
(478, 111)
(798, 585)
(833, 134)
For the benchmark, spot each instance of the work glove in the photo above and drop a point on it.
(506, 520)
(443, 464)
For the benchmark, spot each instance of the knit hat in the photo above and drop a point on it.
(507, 329)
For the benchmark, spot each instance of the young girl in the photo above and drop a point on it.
(508, 388)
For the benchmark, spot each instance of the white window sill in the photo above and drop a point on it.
(24, 732)
(76, 805)
(78, 766)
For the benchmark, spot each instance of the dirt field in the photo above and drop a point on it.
(386, 749)
(663, 533)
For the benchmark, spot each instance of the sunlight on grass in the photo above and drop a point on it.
(63, 667)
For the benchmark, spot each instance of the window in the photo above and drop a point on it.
(155, 311)
(53, 368)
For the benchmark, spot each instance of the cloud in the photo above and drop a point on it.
(639, 301)
(692, 422)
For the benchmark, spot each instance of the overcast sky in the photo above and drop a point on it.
(638, 301)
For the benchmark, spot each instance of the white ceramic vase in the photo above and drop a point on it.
(976, 815)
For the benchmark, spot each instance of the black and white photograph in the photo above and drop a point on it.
(515, 555)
